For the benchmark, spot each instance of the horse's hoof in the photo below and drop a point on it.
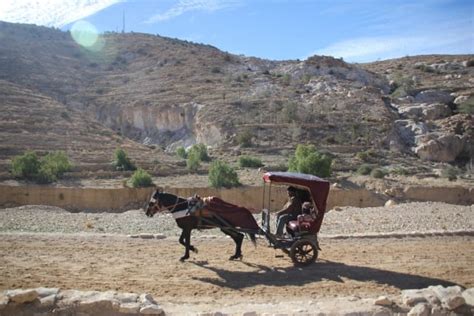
(236, 257)
(182, 259)
(194, 249)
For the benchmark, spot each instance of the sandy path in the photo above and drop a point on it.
(366, 268)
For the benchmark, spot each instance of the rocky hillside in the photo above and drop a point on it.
(149, 90)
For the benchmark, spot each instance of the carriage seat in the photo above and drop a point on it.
(304, 223)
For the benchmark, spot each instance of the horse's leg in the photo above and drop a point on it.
(238, 238)
(182, 241)
(187, 242)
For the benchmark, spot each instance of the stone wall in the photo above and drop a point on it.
(121, 199)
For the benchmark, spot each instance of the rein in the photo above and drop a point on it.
(174, 205)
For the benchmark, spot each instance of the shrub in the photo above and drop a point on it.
(364, 169)
(467, 107)
(377, 173)
(244, 139)
(201, 152)
(193, 162)
(222, 175)
(405, 86)
(308, 160)
(57, 162)
(450, 172)
(26, 166)
(47, 170)
(181, 152)
(141, 179)
(251, 162)
(122, 162)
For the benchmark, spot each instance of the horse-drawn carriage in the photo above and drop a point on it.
(300, 243)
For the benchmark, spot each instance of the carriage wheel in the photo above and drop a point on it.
(303, 252)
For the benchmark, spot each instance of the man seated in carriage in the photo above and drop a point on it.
(290, 210)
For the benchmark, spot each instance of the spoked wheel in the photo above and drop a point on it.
(303, 252)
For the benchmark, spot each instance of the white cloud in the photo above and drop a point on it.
(183, 6)
(55, 13)
(454, 40)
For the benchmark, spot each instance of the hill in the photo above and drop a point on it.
(151, 94)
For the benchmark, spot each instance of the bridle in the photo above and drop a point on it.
(160, 208)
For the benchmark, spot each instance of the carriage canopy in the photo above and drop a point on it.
(318, 188)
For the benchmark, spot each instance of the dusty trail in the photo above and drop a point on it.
(366, 268)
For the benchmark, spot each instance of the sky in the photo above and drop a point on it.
(356, 30)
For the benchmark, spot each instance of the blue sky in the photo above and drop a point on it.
(357, 30)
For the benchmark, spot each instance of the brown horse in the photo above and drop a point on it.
(187, 221)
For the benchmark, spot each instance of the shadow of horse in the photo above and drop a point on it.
(321, 271)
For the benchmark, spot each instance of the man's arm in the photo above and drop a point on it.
(288, 208)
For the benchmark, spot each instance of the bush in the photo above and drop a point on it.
(377, 173)
(193, 162)
(222, 175)
(47, 170)
(201, 152)
(244, 139)
(141, 179)
(181, 152)
(467, 107)
(251, 162)
(451, 173)
(308, 160)
(122, 162)
(26, 166)
(364, 169)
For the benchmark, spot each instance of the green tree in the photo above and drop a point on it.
(141, 179)
(222, 175)
(181, 152)
(45, 170)
(26, 166)
(122, 162)
(193, 162)
(201, 152)
(308, 160)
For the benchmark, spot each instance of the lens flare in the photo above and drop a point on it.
(85, 34)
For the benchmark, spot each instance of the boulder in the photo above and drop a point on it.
(435, 111)
(129, 308)
(22, 296)
(434, 96)
(414, 297)
(406, 131)
(461, 99)
(451, 297)
(44, 291)
(3, 301)
(444, 148)
(48, 301)
(390, 203)
(151, 310)
(469, 294)
(383, 301)
(422, 309)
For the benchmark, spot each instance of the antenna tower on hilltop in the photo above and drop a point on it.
(123, 22)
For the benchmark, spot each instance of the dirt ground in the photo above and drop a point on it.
(352, 267)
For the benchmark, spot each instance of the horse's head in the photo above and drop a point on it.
(154, 205)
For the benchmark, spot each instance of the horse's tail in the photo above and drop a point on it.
(253, 239)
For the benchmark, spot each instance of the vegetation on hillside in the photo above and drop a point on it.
(122, 161)
(222, 175)
(308, 160)
(141, 178)
(45, 170)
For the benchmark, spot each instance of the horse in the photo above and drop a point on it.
(178, 207)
